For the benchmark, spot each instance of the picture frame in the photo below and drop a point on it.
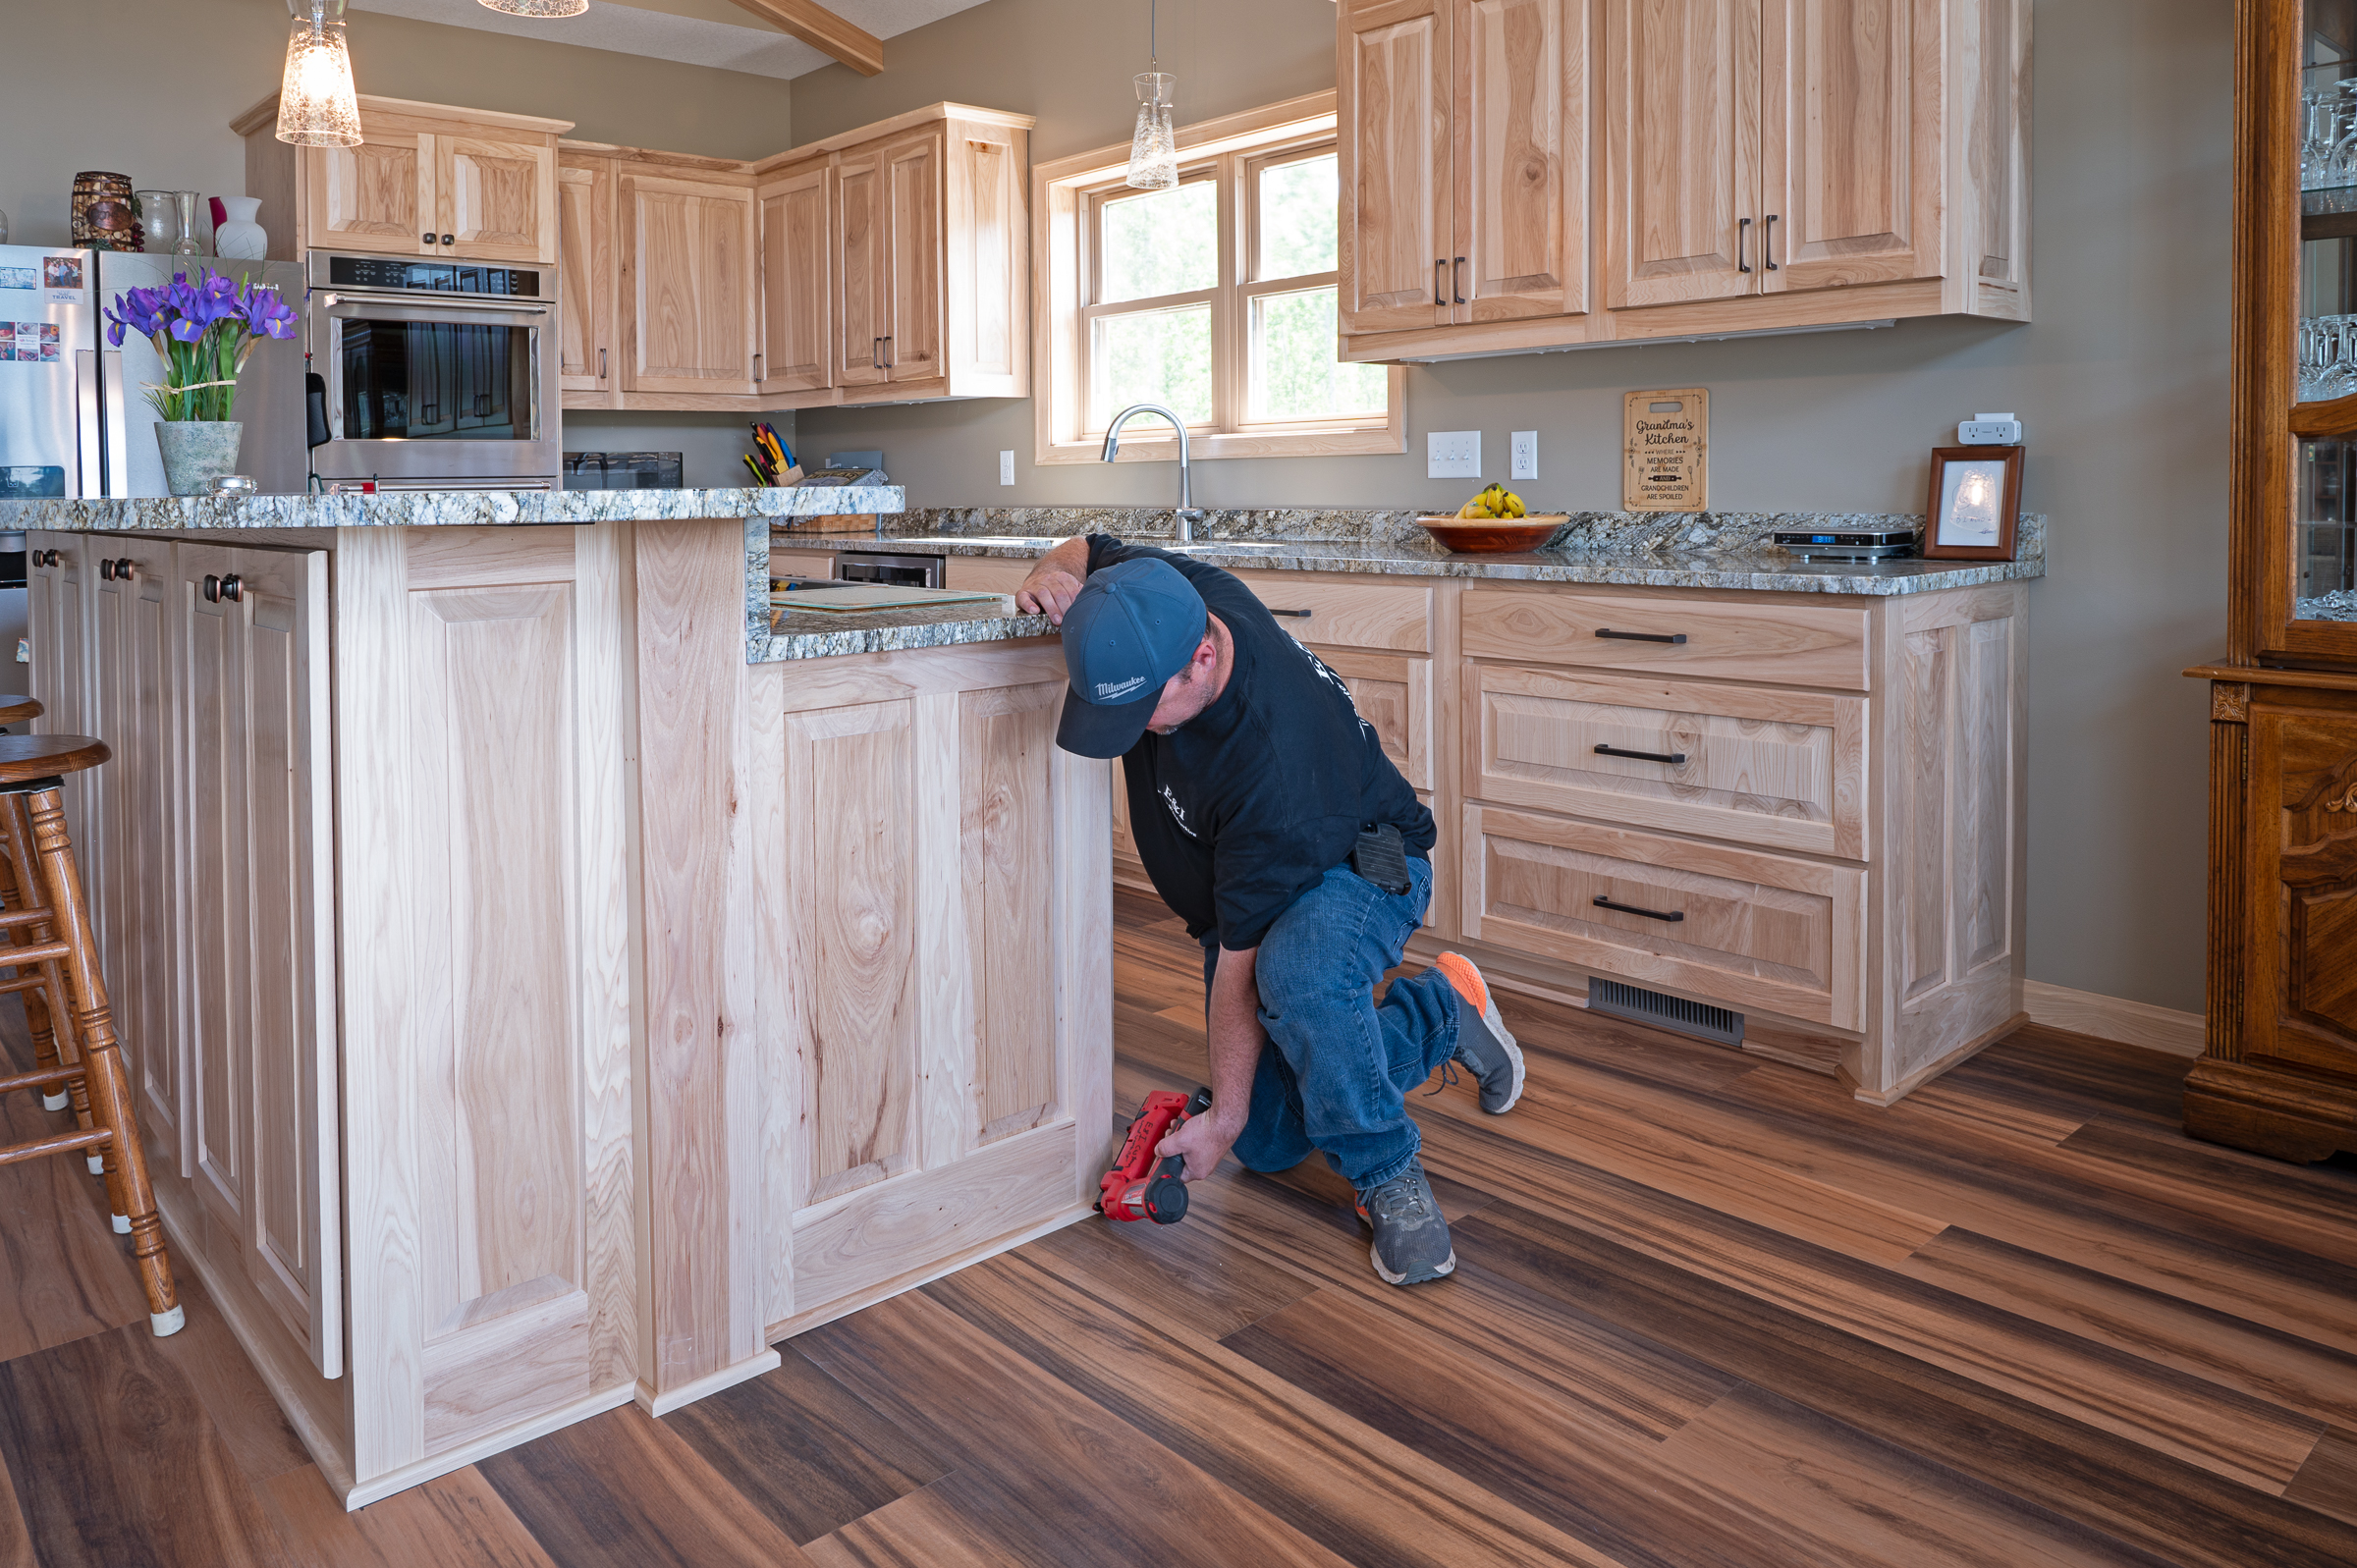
(1975, 504)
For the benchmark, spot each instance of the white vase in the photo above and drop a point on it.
(240, 237)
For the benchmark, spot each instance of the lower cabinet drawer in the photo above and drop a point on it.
(1345, 614)
(984, 573)
(1739, 927)
(1784, 770)
(1769, 641)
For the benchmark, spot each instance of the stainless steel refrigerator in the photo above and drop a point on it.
(52, 433)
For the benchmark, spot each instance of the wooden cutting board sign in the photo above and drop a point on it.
(1667, 466)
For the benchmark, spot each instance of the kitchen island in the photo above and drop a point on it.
(546, 984)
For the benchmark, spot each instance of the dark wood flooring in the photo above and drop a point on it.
(1709, 1311)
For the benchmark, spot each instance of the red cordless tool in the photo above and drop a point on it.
(1135, 1188)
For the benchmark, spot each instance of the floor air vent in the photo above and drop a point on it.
(1719, 1025)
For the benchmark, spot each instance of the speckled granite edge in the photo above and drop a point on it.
(825, 634)
(1600, 532)
(429, 508)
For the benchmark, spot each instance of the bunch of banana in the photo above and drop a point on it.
(1494, 502)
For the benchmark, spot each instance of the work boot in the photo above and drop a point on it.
(1483, 1045)
(1411, 1238)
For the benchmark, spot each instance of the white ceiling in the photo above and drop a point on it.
(697, 33)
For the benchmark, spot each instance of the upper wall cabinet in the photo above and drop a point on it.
(896, 262)
(429, 181)
(1722, 165)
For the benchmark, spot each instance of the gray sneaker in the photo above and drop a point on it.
(1483, 1045)
(1411, 1238)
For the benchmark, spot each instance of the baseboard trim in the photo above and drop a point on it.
(662, 1402)
(2114, 1018)
(378, 1488)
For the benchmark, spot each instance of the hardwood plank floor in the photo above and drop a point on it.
(1708, 1310)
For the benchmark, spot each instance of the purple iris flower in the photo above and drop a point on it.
(270, 315)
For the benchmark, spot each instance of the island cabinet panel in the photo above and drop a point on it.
(1756, 765)
(61, 582)
(1953, 874)
(484, 976)
(931, 959)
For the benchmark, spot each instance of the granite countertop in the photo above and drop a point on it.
(423, 508)
(1660, 550)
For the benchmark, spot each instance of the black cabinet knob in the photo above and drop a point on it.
(445, 238)
(231, 588)
(427, 237)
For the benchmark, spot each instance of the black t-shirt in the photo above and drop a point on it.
(1250, 803)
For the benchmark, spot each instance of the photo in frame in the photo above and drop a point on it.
(1975, 504)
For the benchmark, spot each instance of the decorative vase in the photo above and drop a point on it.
(240, 238)
(185, 245)
(196, 452)
(159, 221)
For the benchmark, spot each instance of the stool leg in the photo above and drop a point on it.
(38, 1014)
(102, 1061)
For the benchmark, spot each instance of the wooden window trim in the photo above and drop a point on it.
(1065, 195)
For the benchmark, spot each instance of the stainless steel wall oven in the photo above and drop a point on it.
(440, 374)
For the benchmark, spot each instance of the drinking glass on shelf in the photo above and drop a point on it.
(159, 219)
(2316, 142)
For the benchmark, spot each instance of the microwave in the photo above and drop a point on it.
(438, 374)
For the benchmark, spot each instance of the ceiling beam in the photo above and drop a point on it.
(822, 29)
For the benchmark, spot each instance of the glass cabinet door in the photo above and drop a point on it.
(2324, 553)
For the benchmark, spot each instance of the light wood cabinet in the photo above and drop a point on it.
(1463, 169)
(688, 256)
(586, 274)
(888, 263)
(487, 180)
(1751, 165)
(798, 272)
(211, 886)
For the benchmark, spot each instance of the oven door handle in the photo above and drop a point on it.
(434, 307)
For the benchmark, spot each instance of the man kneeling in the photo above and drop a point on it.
(1271, 823)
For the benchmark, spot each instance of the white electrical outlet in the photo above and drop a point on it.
(1005, 468)
(1452, 454)
(1526, 455)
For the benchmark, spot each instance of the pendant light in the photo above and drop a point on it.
(315, 103)
(539, 8)
(1154, 146)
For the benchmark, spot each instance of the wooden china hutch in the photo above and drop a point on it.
(2279, 1071)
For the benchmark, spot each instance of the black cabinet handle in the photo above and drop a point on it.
(217, 589)
(1674, 916)
(875, 353)
(601, 364)
(1439, 270)
(889, 361)
(1640, 636)
(426, 239)
(1676, 759)
(1460, 285)
(1742, 232)
(445, 238)
(1298, 614)
(212, 589)
(106, 569)
(44, 558)
(1767, 242)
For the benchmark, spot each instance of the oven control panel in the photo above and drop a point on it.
(430, 277)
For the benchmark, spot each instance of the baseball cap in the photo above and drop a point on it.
(1134, 627)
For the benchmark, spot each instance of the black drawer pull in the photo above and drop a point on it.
(1640, 636)
(1676, 759)
(1674, 915)
(1298, 614)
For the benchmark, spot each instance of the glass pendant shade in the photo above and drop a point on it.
(1154, 148)
(315, 103)
(539, 7)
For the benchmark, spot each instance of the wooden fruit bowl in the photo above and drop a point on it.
(1482, 536)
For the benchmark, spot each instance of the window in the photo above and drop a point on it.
(1216, 299)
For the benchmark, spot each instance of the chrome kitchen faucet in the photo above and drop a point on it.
(1187, 487)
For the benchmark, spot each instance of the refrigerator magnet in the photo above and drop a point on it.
(62, 277)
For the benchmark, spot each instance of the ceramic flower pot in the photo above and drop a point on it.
(241, 237)
(196, 452)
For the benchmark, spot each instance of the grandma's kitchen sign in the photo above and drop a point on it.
(1669, 467)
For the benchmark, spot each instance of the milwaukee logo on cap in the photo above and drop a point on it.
(1110, 691)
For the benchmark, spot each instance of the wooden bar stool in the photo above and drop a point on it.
(49, 932)
(15, 709)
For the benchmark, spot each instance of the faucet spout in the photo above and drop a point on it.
(1187, 513)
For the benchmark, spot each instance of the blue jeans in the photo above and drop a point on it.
(1335, 1066)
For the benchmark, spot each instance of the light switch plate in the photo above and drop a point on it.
(1452, 454)
(1526, 455)
(1005, 468)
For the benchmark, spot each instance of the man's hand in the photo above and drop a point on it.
(1056, 582)
(1048, 592)
(1204, 1140)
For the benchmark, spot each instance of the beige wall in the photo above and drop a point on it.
(147, 88)
(2122, 382)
